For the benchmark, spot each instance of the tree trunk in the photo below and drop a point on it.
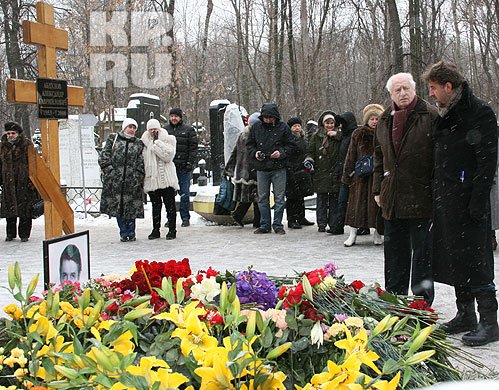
(396, 35)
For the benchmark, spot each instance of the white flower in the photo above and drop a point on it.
(316, 334)
(206, 290)
(354, 322)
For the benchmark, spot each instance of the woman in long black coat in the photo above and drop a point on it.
(18, 193)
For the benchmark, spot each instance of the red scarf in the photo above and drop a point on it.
(399, 121)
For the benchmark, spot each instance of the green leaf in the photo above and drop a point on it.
(267, 338)
(407, 376)
(390, 366)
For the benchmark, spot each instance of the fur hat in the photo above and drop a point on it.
(372, 110)
(253, 118)
(294, 121)
(153, 124)
(176, 111)
(13, 126)
(127, 122)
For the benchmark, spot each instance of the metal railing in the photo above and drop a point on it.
(84, 200)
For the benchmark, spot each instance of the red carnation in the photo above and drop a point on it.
(282, 292)
(357, 285)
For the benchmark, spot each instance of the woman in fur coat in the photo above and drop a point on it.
(122, 166)
(18, 193)
(161, 182)
(361, 209)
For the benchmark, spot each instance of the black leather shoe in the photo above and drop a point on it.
(462, 322)
(172, 234)
(306, 222)
(24, 239)
(294, 225)
(261, 230)
(9, 238)
(322, 229)
(483, 334)
(335, 232)
(154, 234)
(186, 223)
(279, 230)
(238, 222)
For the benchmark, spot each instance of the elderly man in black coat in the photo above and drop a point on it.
(465, 162)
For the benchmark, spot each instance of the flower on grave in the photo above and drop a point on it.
(256, 287)
(206, 290)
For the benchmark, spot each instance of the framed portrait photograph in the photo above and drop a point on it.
(67, 258)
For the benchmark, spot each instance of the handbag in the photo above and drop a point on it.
(37, 208)
(224, 200)
(364, 166)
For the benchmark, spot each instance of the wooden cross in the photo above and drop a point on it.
(44, 171)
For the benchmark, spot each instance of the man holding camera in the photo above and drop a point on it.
(269, 143)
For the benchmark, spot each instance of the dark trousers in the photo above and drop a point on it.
(127, 227)
(24, 227)
(327, 207)
(241, 210)
(339, 216)
(158, 197)
(295, 209)
(407, 258)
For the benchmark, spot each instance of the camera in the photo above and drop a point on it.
(308, 166)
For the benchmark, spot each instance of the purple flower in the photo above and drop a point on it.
(330, 269)
(255, 287)
(340, 317)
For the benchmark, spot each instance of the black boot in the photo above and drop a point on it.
(465, 319)
(172, 234)
(154, 234)
(487, 330)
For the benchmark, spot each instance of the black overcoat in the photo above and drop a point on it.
(465, 163)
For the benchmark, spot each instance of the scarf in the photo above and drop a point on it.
(455, 97)
(399, 121)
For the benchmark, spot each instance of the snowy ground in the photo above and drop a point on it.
(223, 247)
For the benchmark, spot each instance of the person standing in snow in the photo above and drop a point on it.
(18, 193)
(161, 182)
(122, 166)
(403, 165)
(465, 164)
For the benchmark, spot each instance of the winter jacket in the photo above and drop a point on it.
(348, 126)
(269, 137)
(158, 161)
(238, 168)
(361, 208)
(298, 181)
(187, 146)
(122, 165)
(325, 159)
(403, 180)
(465, 165)
(18, 193)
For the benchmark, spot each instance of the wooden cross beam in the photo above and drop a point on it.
(45, 171)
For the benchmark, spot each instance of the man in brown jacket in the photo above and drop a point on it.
(403, 163)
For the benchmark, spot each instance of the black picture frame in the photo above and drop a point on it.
(70, 247)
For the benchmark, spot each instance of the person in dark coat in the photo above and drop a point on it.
(18, 193)
(122, 165)
(298, 180)
(465, 164)
(362, 209)
(348, 124)
(185, 159)
(244, 177)
(323, 152)
(403, 164)
(269, 144)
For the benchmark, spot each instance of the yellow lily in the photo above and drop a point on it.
(352, 344)
(195, 337)
(218, 377)
(385, 385)
(44, 328)
(178, 314)
(123, 344)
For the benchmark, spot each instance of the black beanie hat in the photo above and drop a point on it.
(176, 111)
(13, 126)
(294, 120)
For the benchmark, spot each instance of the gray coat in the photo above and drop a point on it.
(122, 166)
